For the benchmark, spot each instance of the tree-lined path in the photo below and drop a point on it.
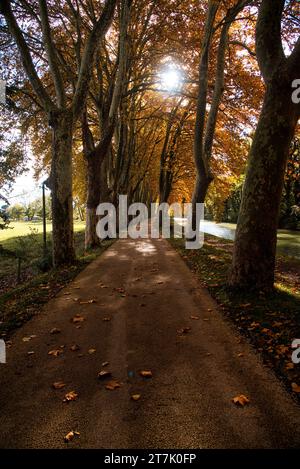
(145, 301)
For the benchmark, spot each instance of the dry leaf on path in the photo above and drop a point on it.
(55, 353)
(55, 330)
(112, 385)
(70, 436)
(146, 373)
(70, 396)
(104, 374)
(87, 302)
(74, 348)
(58, 385)
(184, 330)
(77, 318)
(136, 397)
(106, 319)
(290, 366)
(241, 400)
(91, 351)
(195, 318)
(295, 387)
(105, 364)
(28, 339)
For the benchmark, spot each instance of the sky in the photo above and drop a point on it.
(24, 190)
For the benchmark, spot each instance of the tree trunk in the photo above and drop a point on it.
(61, 186)
(256, 236)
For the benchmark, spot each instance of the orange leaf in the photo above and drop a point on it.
(55, 353)
(77, 318)
(146, 373)
(104, 374)
(70, 436)
(295, 387)
(241, 400)
(112, 385)
(58, 385)
(70, 396)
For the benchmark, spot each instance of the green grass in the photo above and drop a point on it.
(18, 303)
(270, 321)
(26, 240)
(21, 228)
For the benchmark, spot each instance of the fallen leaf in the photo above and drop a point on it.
(241, 400)
(70, 396)
(104, 374)
(146, 373)
(30, 353)
(195, 317)
(112, 385)
(240, 354)
(88, 302)
(74, 348)
(136, 397)
(77, 318)
(55, 330)
(26, 339)
(106, 319)
(58, 385)
(71, 435)
(184, 330)
(295, 387)
(55, 353)
(91, 351)
(290, 366)
(105, 364)
(245, 305)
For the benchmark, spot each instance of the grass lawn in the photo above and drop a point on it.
(21, 228)
(26, 239)
(270, 321)
(20, 301)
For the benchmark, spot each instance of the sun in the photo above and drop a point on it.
(171, 79)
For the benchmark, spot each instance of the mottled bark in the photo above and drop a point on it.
(61, 187)
(256, 236)
(255, 246)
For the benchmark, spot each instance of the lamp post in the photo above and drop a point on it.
(44, 222)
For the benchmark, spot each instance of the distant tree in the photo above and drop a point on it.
(15, 212)
(12, 161)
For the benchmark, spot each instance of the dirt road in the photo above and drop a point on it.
(144, 297)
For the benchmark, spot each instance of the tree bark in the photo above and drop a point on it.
(256, 235)
(254, 255)
(61, 186)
